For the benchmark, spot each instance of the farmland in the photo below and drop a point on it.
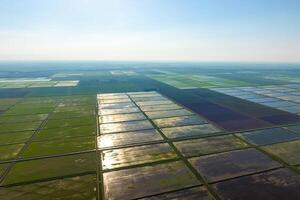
(118, 131)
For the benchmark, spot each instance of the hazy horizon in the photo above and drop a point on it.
(100, 65)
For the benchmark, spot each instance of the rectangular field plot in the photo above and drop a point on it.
(279, 104)
(42, 84)
(112, 96)
(70, 122)
(269, 136)
(123, 73)
(53, 147)
(178, 121)
(125, 126)
(118, 111)
(34, 82)
(106, 96)
(281, 183)
(151, 98)
(121, 118)
(232, 164)
(287, 151)
(164, 107)
(78, 187)
(110, 101)
(198, 81)
(190, 131)
(209, 145)
(117, 105)
(66, 83)
(243, 124)
(72, 114)
(65, 132)
(87, 100)
(152, 103)
(74, 108)
(157, 179)
(192, 193)
(140, 96)
(282, 119)
(136, 155)
(263, 100)
(41, 169)
(167, 113)
(143, 94)
(128, 138)
(279, 97)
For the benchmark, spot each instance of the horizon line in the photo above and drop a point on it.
(153, 61)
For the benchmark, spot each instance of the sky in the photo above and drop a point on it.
(151, 30)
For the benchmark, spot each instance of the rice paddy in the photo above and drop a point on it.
(161, 133)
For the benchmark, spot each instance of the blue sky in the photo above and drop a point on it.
(189, 30)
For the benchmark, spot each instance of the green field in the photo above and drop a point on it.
(198, 81)
(34, 83)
